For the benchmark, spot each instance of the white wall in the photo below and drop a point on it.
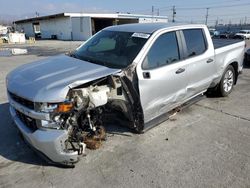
(61, 27)
(27, 28)
(81, 28)
(57, 26)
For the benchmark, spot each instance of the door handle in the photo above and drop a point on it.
(210, 60)
(180, 70)
(146, 75)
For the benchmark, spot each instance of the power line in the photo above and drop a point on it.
(172, 11)
(222, 15)
(213, 7)
(195, 8)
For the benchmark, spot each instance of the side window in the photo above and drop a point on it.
(195, 41)
(164, 51)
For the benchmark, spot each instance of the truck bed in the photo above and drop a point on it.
(218, 43)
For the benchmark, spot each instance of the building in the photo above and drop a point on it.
(78, 26)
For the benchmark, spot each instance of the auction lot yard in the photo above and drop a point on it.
(205, 145)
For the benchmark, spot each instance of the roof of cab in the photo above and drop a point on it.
(147, 27)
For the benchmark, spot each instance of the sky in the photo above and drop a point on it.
(222, 11)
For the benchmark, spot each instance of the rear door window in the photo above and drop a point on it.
(195, 41)
(164, 51)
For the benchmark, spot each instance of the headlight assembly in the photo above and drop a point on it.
(63, 107)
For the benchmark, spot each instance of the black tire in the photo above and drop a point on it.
(226, 84)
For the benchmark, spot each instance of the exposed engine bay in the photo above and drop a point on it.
(90, 106)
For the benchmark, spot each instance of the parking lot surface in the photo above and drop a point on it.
(205, 145)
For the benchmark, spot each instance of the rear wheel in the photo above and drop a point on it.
(227, 82)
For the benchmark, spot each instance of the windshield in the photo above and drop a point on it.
(113, 49)
(243, 32)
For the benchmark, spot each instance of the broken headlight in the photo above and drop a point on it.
(63, 107)
(48, 107)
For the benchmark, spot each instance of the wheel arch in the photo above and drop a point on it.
(235, 66)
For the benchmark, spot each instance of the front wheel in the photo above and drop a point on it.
(227, 82)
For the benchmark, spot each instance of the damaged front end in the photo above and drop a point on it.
(106, 100)
(86, 110)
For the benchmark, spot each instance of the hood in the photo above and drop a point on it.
(50, 79)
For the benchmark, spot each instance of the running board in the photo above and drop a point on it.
(153, 123)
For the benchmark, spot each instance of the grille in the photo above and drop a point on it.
(28, 121)
(22, 101)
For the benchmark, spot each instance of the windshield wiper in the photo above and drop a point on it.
(95, 61)
(90, 60)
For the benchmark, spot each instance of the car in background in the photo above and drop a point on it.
(243, 34)
(211, 31)
(227, 35)
(214, 33)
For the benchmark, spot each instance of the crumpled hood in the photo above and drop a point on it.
(49, 80)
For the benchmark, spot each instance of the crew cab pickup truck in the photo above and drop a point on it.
(132, 74)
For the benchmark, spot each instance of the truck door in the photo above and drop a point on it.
(200, 60)
(162, 76)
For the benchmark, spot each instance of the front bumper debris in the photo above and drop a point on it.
(49, 142)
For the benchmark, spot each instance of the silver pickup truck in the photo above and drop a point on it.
(132, 74)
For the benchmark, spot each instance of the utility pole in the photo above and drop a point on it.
(158, 12)
(174, 13)
(153, 9)
(217, 22)
(207, 16)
